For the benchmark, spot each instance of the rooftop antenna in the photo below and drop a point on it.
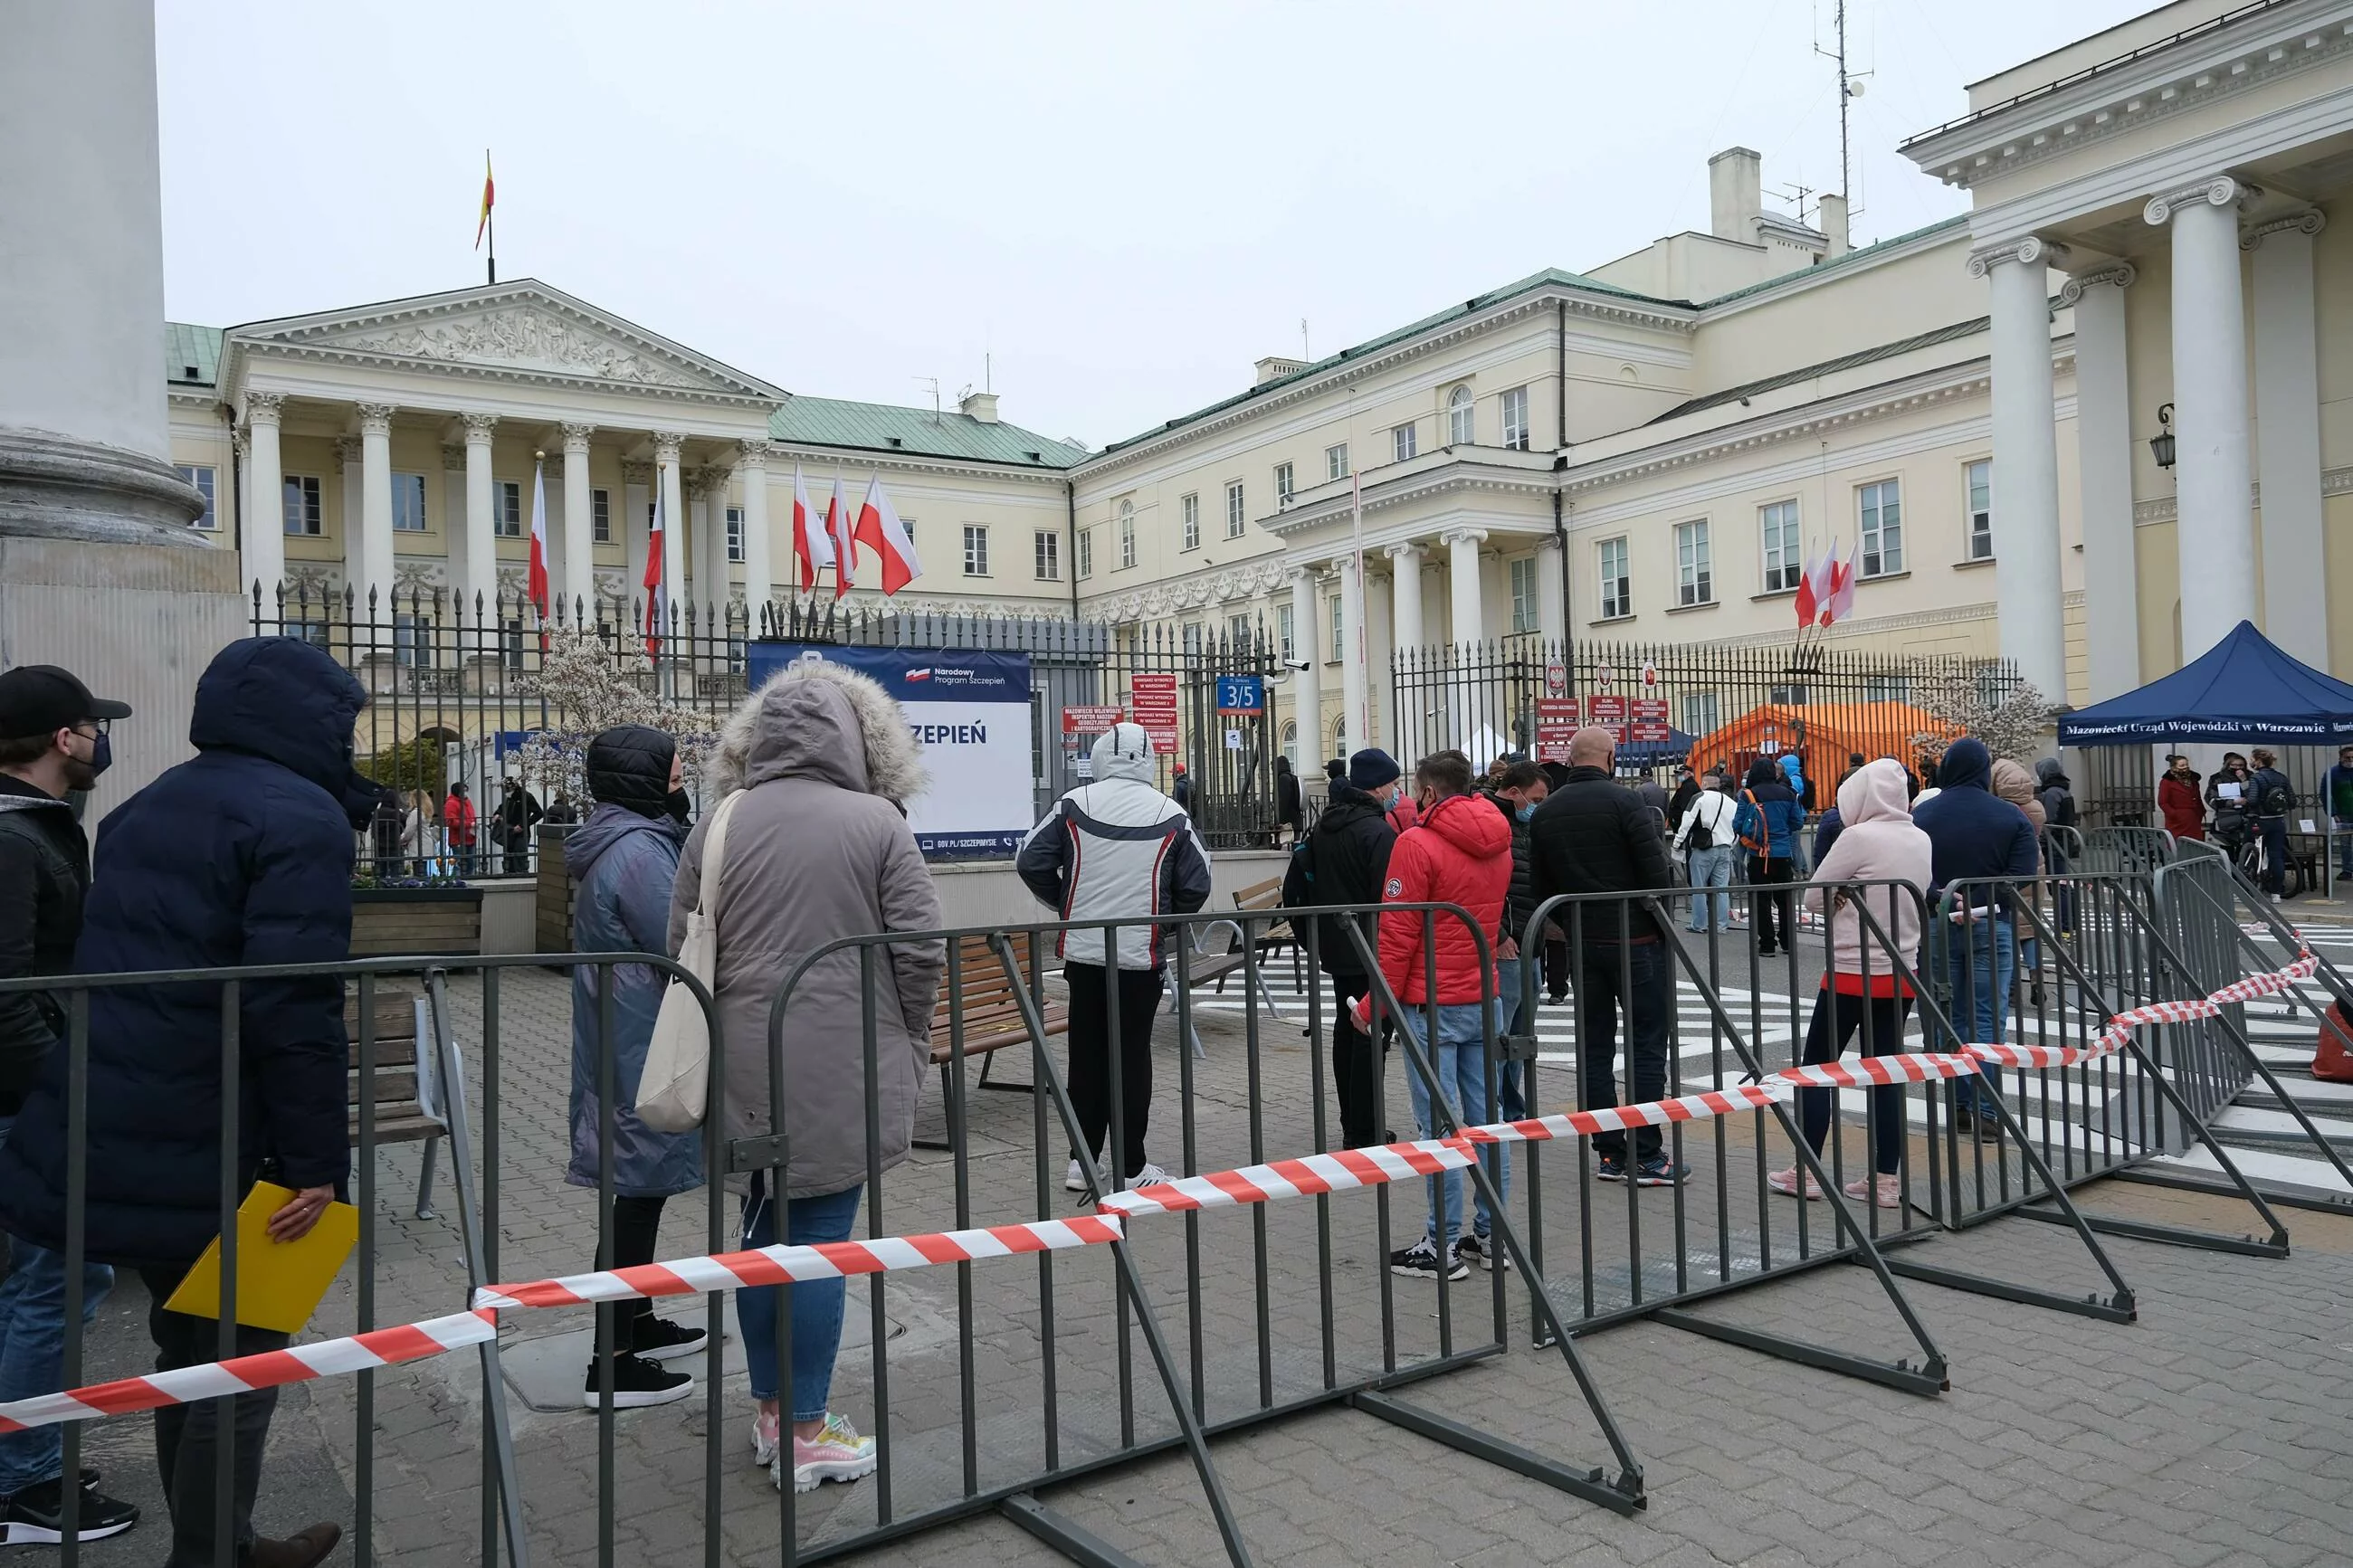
(933, 382)
(1303, 341)
(1850, 88)
(1795, 195)
(987, 372)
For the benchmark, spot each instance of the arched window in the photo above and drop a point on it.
(1458, 418)
(1340, 738)
(1291, 744)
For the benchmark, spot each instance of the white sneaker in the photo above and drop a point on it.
(1150, 1177)
(1074, 1180)
(763, 1437)
(836, 1454)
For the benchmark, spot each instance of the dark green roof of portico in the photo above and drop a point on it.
(191, 349)
(886, 428)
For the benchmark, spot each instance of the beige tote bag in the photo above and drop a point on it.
(674, 1092)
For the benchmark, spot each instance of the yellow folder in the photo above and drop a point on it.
(278, 1284)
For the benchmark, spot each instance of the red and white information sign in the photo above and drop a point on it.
(1152, 702)
(1088, 721)
(1648, 716)
(1608, 712)
(1555, 723)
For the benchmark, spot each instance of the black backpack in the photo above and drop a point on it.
(2277, 800)
(1700, 836)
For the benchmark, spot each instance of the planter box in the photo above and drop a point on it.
(552, 914)
(430, 922)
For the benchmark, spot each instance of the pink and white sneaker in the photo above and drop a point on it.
(765, 1425)
(1886, 1191)
(1791, 1181)
(836, 1454)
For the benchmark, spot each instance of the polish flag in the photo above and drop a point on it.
(1821, 581)
(1806, 604)
(1842, 589)
(812, 546)
(880, 530)
(844, 543)
(537, 590)
(654, 595)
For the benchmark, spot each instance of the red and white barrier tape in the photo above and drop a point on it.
(783, 1265)
(270, 1369)
(1335, 1172)
(1624, 1117)
(1864, 1072)
(2120, 1027)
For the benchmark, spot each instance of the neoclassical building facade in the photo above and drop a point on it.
(1650, 449)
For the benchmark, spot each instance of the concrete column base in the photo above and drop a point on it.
(55, 487)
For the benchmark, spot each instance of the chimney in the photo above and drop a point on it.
(1830, 218)
(979, 405)
(1274, 367)
(1736, 194)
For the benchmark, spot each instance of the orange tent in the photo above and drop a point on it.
(1822, 735)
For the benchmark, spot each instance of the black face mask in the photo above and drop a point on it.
(678, 805)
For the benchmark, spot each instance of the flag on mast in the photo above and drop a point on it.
(845, 545)
(490, 195)
(880, 530)
(1805, 604)
(537, 582)
(653, 584)
(1843, 586)
(812, 546)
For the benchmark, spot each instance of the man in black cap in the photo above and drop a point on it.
(1344, 860)
(53, 742)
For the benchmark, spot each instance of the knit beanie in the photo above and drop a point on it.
(1372, 768)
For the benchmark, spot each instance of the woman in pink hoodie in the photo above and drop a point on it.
(1878, 843)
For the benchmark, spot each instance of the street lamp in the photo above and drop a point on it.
(2161, 445)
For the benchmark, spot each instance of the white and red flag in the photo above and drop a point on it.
(1842, 603)
(537, 589)
(654, 594)
(1807, 604)
(812, 546)
(880, 530)
(837, 529)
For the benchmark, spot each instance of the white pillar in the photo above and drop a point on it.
(479, 591)
(2025, 464)
(1353, 694)
(1552, 603)
(2215, 534)
(674, 504)
(2104, 469)
(759, 578)
(1463, 583)
(453, 517)
(2287, 418)
(350, 470)
(265, 531)
(1405, 596)
(636, 495)
(579, 530)
(375, 506)
(1307, 704)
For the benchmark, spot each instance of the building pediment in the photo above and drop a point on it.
(524, 330)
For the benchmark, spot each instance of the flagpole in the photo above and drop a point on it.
(493, 221)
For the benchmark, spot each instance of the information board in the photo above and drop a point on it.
(1555, 723)
(1152, 702)
(1649, 720)
(1241, 694)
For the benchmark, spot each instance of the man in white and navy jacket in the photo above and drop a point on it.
(1115, 849)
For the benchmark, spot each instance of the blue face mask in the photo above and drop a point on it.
(101, 752)
(1527, 810)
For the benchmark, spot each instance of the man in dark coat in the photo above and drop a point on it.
(53, 742)
(1288, 810)
(1767, 824)
(518, 815)
(1519, 789)
(1591, 836)
(1974, 834)
(1345, 860)
(239, 858)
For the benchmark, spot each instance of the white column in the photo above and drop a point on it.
(264, 530)
(637, 494)
(1354, 693)
(478, 588)
(1552, 603)
(453, 517)
(348, 470)
(759, 577)
(1463, 583)
(1307, 705)
(674, 502)
(375, 503)
(579, 530)
(2104, 469)
(1405, 596)
(2287, 418)
(2215, 534)
(2025, 464)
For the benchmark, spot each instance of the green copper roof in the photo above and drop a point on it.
(883, 427)
(191, 354)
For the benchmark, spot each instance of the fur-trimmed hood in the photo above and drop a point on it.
(823, 721)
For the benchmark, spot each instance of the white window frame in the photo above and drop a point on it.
(1046, 556)
(1284, 486)
(1462, 419)
(1084, 564)
(1695, 564)
(734, 515)
(1977, 509)
(1617, 588)
(1700, 712)
(1521, 571)
(1284, 631)
(1126, 534)
(1405, 442)
(975, 550)
(1237, 510)
(414, 484)
(1189, 515)
(1238, 632)
(1339, 627)
(1785, 561)
(506, 509)
(207, 479)
(303, 492)
(600, 516)
(1335, 462)
(1882, 555)
(1513, 406)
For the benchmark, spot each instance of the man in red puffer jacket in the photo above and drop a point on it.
(1460, 852)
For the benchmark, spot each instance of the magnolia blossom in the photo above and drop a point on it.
(587, 690)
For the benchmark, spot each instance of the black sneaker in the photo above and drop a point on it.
(636, 1382)
(35, 1516)
(1420, 1261)
(662, 1338)
(1486, 1251)
(1658, 1171)
(1613, 1168)
(1971, 1122)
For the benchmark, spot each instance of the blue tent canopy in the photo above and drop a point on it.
(2243, 690)
(1656, 753)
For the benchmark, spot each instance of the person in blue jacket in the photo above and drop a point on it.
(241, 857)
(1974, 834)
(623, 862)
(1766, 823)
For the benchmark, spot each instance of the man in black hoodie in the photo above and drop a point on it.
(1344, 859)
(1973, 835)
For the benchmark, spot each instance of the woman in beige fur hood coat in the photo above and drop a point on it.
(817, 849)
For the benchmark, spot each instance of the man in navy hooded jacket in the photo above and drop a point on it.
(239, 858)
(1974, 834)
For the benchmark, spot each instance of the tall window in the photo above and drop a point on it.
(1881, 506)
(1694, 583)
(1700, 712)
(1784, 556)
(1980, 475)
(1515, 418)
(302, 504)
(1459, 426)
(1085, 563)
(1403, 442)
(600, 516)
(1282, 485)
(975, 550)
(202, 475)
(412, 640)
(1523, 593)
(734, 533)
(1617, 587)
(1335, 461)
(1128, 533)
(1291, 744)
(1237, 514)
(1339, 639)
(506, 509)
(408, 503)
(1188, 513)
(1238, 632)
(1283, 632)
(1048, 555)
(1887, 688)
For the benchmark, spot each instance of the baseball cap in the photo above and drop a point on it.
(41, 699)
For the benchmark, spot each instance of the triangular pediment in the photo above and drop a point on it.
(523, 327)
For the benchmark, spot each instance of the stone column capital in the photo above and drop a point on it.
(709, 481)
(1402, 554)
(1455, 537)
(666, 448)
(453, 456)
(478, 429)
(349, 450)
(2120, 274)
(241, 440)
(375, 419)
(263, 407)
(2215, 190)
(575, 438)
(2310, 221)
(635, 473)
(1548, 543)
(753, 454)
(2026, 251)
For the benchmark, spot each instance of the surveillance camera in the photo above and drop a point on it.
(1300, 664)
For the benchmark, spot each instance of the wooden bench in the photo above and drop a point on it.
(992, 1014)
(406, 1108)
(1215, 966)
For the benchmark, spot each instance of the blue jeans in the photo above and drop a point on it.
(1980, 961)
(1511, 1097)
(1709, 869)
(1461, 1063)
(816, 1305)
(33, 1347)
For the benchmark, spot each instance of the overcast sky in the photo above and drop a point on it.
(1124, 204)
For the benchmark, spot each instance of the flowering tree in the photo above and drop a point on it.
(586, 693)
(2011, 716)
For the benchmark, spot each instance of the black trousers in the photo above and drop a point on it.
(189, 1437)
(1139, 999)
(1836, 1018)
(1555, 970)
(635, 1224)
(1356, 1067)
(1635, 980)
(1764, 873)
